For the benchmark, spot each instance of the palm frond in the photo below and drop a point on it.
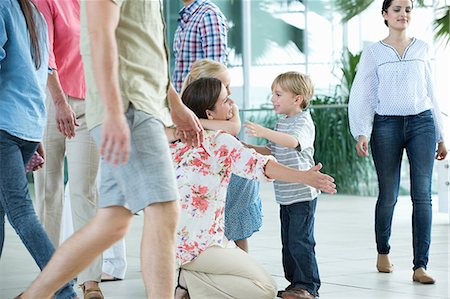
(351, 8)
(441, 25)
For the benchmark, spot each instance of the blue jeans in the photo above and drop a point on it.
(390, 136)
(297, 236)
(16, 203)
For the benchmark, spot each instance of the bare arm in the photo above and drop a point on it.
(231, 126)
(282, 139)
(188, 125)
(312, 177)
(65, 117)
(103, 17)
(260, 149)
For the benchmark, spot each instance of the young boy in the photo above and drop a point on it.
(292, 144)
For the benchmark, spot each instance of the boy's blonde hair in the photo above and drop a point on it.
(203, 68)
(298, 84)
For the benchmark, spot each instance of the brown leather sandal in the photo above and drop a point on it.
(92, 293)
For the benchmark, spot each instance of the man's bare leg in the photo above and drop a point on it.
(108, 226)
(158, 249)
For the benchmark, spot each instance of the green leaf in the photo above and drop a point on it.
(441, 25)
(351, 8)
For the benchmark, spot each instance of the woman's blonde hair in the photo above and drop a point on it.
(298, 84)
(203, 68)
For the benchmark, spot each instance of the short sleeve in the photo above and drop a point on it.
(242, 161)
(303, 130)
(46, 10)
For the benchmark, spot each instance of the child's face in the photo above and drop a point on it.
(223, 110)
(224, 77)
(285, 102)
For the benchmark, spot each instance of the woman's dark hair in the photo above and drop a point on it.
(201, 95)
(29, 12)
(386, 5)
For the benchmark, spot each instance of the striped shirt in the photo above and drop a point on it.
(300, 126)
(390, 85)
(201, 33)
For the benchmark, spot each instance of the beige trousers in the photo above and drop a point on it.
(82, 161)
(227, 273)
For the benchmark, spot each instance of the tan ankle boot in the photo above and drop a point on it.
(420, 275)
(384, 264)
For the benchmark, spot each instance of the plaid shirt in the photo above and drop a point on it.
(201, 33)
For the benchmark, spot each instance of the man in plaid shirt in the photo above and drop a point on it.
(201, 33)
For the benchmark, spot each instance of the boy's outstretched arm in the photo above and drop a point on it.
(231, 126)
(312, 177)
(279, 138)
(260, 149)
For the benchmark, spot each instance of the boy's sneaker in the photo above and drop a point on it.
(296, 293)
(280, 292)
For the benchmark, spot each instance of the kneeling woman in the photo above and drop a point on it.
(211, 267)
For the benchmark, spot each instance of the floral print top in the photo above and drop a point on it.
(202, 175)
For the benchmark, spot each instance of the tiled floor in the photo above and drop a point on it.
(345, 250)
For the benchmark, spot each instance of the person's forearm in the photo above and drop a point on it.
(56, 91)
(105, 58)
(279, 138)
(260, 149)
(172, 97)
(277, 171)
(226, 125)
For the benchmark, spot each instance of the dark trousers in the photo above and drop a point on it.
(297, 237)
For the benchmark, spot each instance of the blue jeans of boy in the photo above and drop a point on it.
(16, 203)
(390, 136)
(298, 253)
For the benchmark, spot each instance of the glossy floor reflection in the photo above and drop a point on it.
(345, 250)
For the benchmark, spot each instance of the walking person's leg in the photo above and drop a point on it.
(83, 162)
(49, 181)
(387, 150)
(158, 248)
(421, 150)
(115, 262)
(72, 257)
(16, 203)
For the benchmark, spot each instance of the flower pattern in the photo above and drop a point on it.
(202, 175)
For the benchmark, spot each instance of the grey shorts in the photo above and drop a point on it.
(148, 176)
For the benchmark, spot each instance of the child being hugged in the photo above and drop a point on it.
(243, 209)
(292, 144)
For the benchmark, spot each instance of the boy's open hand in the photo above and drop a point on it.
(254, 129)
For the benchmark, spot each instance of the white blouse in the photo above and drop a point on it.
(390, 85)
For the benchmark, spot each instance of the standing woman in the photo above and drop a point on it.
(66, 134)
(392, 100)
(23, 75)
